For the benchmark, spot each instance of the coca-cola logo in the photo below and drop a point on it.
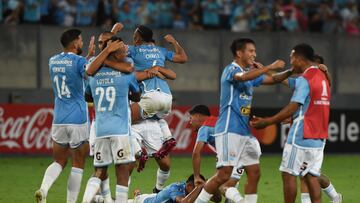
(26, 131)
(180, 132)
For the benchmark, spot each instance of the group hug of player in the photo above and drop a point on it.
(127, 85)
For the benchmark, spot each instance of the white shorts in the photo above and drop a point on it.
(92, 138)
(151, 134)
(236, 150)
(116, 149)
(70, 135)
(141, 198)
(299, 161)
(156, 103)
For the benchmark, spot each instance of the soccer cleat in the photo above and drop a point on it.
(98, 199)
(155, 190)
(137, 192)
(143, 157)
(40, 196)
(337, 199)
(165, 149)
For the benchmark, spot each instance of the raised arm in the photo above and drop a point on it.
(116, 28)
(99, 60)
(91, 48)
(180, 55)
(324, 69)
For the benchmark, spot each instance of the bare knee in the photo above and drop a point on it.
(223, 175)
(324, 181)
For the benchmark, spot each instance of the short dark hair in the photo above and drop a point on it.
(145, 33)
(200, 109)
(318, 59)
(305, 51)
(113, 38)
(69, 36)
(240, 44)
(191, 179)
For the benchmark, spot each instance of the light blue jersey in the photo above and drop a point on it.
(32, 11)
(147, 56)
(110, 90)
(235, 102)
(168, 194)
(67, 73)
(206, 134)
(301, 95)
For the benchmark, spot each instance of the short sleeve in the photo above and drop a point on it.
(301, 92)
(169, 55)
(291, 82)
(231, 73)
(203, 134)
(258, 81)
(133, 84)
(81, 66)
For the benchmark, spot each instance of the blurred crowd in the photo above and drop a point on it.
(325, 16)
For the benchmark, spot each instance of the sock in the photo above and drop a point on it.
(203, 197)
(92, 187)
(233, 194)
(330, 192)
(161, 177)
(51, 174)
(74, 183)
(305, 198)
(121, 194)
(129, 181)
(251, 198)
(105, 189)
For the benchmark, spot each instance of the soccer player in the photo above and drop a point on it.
(324, 181)
(309, 108)
(232, 131)
(70, 124)
(179, 192)
(110, 89)
(156, 99)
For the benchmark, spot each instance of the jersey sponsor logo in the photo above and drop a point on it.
(61, 62)
(245, 110)
(245, 96)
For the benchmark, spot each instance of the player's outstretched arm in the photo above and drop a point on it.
(120, 66)
(274, 78)
(324, 69)
(168, 73)
(180, 55)
(196, 162)
(99, 60)
(286, 112)
(91, 48)
(191, 197)
(117, 28)
(260, 69)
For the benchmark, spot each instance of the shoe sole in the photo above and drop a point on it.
(38, 196)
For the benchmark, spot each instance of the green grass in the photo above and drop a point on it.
(21, 176)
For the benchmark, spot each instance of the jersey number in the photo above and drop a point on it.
(110, 95)
(62, 90)
(324, 92)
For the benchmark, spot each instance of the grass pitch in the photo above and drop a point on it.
(20, 177)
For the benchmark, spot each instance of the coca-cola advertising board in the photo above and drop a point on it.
(25, 129)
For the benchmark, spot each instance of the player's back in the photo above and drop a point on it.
(147, 56)
(67, 71)
(168, 194)
(110, 89)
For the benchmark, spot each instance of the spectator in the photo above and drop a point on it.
(240, 18)
(263, 20)
(352, 27)
(45, 7)
(210, 14)
(164, 14)
(225, 12)
(195, 15)
(32, 11)
(12, 11)
(349, 12)
(65, 12)
(179, 23)
(1, 11)
(86, 12)
(145, 13)
(126, 16)
(289, 21)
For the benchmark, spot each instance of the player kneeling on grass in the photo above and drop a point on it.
(110, 89)
(180, 192)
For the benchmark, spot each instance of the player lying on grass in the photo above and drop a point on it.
(180, 192)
